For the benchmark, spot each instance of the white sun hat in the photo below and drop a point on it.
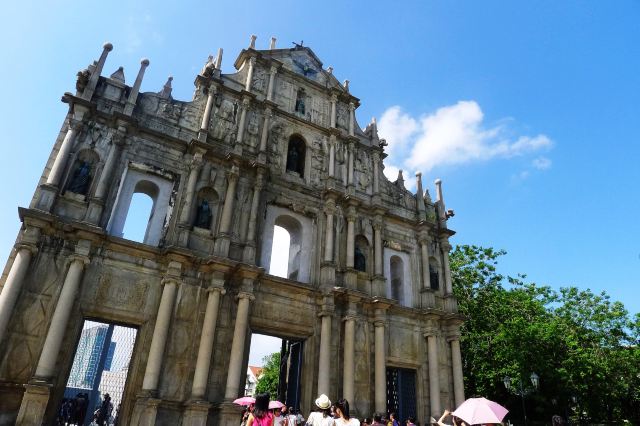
(323, 402)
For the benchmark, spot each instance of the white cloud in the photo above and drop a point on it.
(541, 163)
(452, 135)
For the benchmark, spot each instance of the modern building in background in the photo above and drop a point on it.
(86, 362)
(365, 311)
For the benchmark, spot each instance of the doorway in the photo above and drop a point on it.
(98, 375)
(401, 393)
(275, 366)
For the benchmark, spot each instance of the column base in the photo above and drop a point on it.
(351, 279)
(34, 403)
(450, 303)
(183, 235)
(202, 135)
(379, 282)
(94, 212)
(196, 414)
(229, 414)
(428, 298)
(145, 411)
(221, 246)
(249, 253)
(327, 275)
(47, 197)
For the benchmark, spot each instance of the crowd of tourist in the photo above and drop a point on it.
(328, 414)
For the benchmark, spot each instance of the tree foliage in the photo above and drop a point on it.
(583, 346)
(269, 377)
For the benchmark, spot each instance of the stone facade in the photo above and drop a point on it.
(275, 143)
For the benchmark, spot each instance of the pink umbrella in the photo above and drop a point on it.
(245, 400)
(275, 404)
(480, 410)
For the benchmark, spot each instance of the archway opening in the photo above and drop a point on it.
(280, 252)
(296, 155)
(138, 217)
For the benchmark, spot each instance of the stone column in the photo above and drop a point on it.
(332, 155)
(247, 84)
(349, 354)
(201, 375)
(46, 368)
(250, 245)
(334, 99)
(456, 362)
(419, 197)
(377, 245)
(324, 359)
(376, 173)
(160, 333)
(448, 287)
(237, 346)
(330, 209)
(272, 78)
(351, 219)
(243, 118)
(424, 257)
(204, 125)
(187, 207)
(350, 164)
(352, 119)
(59, 164)
(117, 142)
(15, 278)
(434, 373)
(380, 394)
(264, 137)
(222, 243)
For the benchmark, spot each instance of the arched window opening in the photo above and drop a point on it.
(300, 107)
(279, 252)
(397, 278)
(140, 213)
(361, 253)
(434, 279)
(82, 173)
(296, 152)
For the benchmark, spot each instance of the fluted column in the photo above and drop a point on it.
(380, 396)
(456, 363)
(13, 283)
(59, 164)
(324, 359)
(332, 155)
(334, 99)
(204, 125)
(434, 373)
(352, 119)
(185, 214)
(49, 355)
(424, 257)
(272, 78)
(117, 141)
(237, 346)
(201, 375)
(377, 245)
(447, 269)
(160, 333)
(247, 84)
(330, 209)
(227, 209)
(255, 201)
(264, 137)
(243, 118)
(349, 357)
(351, 219)
(350, 164)
(376, 173)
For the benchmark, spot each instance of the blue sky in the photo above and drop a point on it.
(526, 110)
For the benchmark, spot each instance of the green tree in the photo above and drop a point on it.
(270, 375)
(582, 345)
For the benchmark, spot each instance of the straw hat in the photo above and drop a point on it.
(323, 402)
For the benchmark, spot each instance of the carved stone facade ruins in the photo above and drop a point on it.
(368, 288)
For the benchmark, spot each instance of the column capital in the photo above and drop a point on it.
(79, 258)
(379, 323)
(215, 288)
(252, 60)
(170, 280)
(330, 206)
(431, 331)
(325, 313)
(245, 295)
(196, 160)
(26, 246)
(246, 102)
(451, 336)
(352, 106)
(75, 124)
(378, 223)
(273, 70)
(119, 137)
(233, 173)
(445, 245)
(352, 214)
(350, 317)
(334, 97)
